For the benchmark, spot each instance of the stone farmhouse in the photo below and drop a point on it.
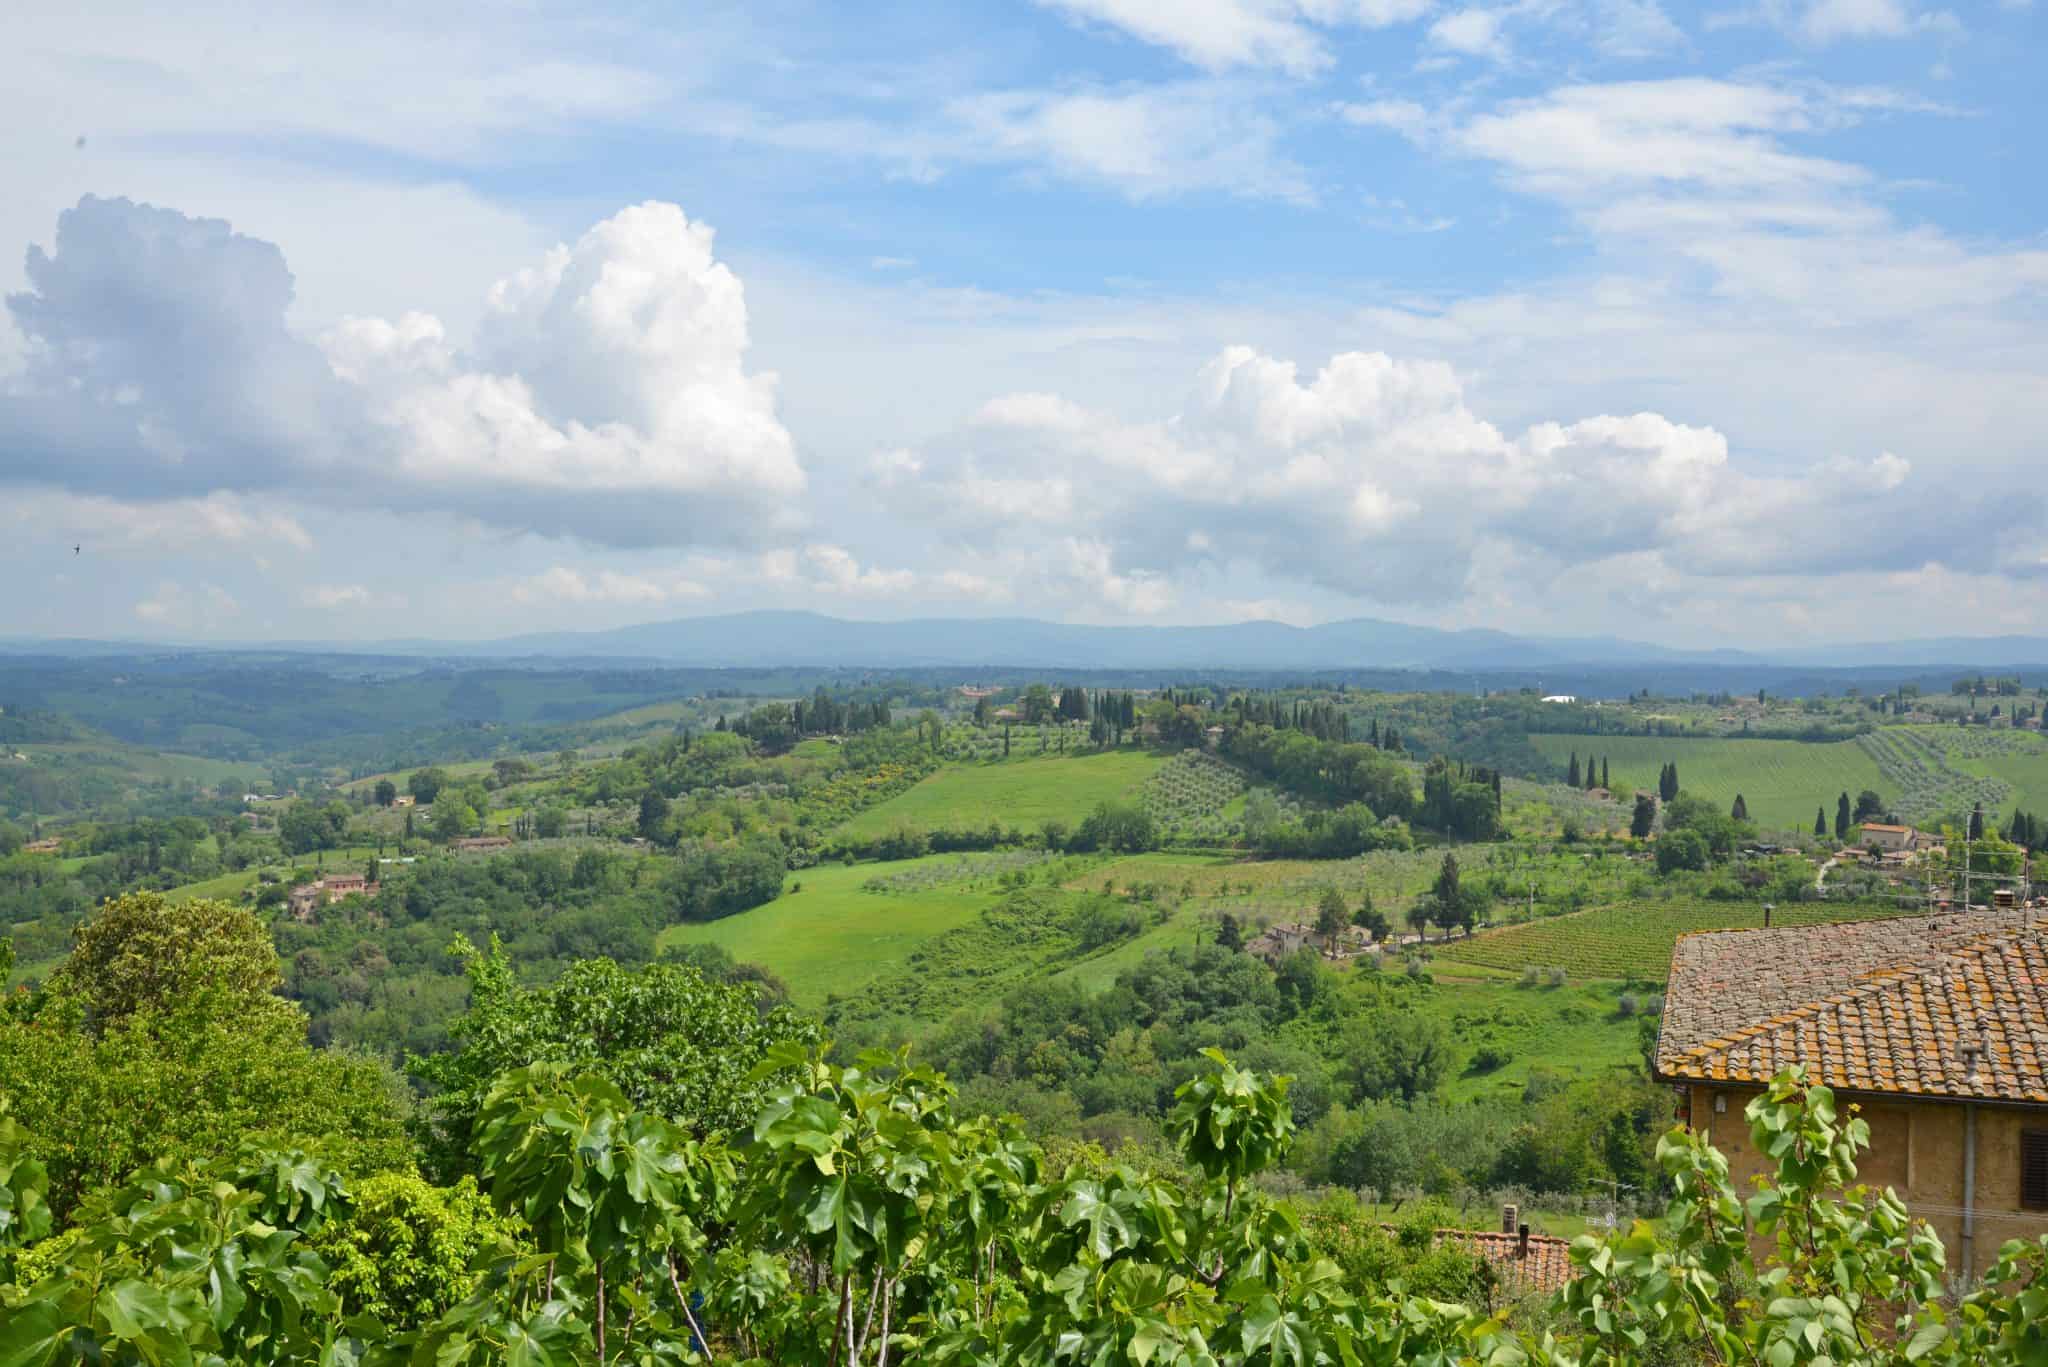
(1893, 839)
(1277, 943)
(307, 898)
(1936, 1026)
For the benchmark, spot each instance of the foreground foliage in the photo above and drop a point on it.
(861, 1222)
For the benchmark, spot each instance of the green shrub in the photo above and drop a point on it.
(1373, 1254)
(407, 1251)
(1491, 1056)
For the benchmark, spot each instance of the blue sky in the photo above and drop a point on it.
(1716, 324)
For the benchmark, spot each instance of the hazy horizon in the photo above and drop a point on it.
(1905, 652)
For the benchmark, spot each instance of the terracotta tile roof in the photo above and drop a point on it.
(1875, 1006)
(1540, 1267)
(1725, 980)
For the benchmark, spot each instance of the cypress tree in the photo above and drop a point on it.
(1842, 818)
(1645, 816)
(1571, 775)
(1977, 822)
(1740, 812)
(1603, 775)
(1820, 821)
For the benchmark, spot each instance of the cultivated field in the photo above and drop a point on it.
(1197, 797)
(1781, 781)
(1941, 771)
(1634, 940)
(827, 933)
(1020, 793)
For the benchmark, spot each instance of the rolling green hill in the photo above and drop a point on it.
(1781, 781)
(826, 934)
(68, 778)
(1020, 793)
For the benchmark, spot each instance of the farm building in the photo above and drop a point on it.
(308, 898)
(481, 843)
(1889, 839)
(1936, 1026)
(1279, 942)
(50, 845)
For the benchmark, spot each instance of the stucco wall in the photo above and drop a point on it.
(1917, 1149)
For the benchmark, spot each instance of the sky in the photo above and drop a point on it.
(1704, 325)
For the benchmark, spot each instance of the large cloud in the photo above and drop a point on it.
(160, 363)
(606, 395)
(1374, 479)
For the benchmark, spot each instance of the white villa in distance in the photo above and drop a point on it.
(1560, 697)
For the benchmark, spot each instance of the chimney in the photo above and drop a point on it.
(1509, 1216)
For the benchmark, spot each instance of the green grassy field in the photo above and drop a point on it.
(1635, 939)
(1781, 781)
(2026, 773)
(229, 887)
(1576, 1030)
(1019, 793)
(1186, 924)
(827, 935)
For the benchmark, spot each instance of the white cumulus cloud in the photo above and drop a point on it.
(605, 396)
(1472, 32)
(1374, 478)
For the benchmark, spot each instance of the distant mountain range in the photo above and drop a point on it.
(808, 638)
(755, 640)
